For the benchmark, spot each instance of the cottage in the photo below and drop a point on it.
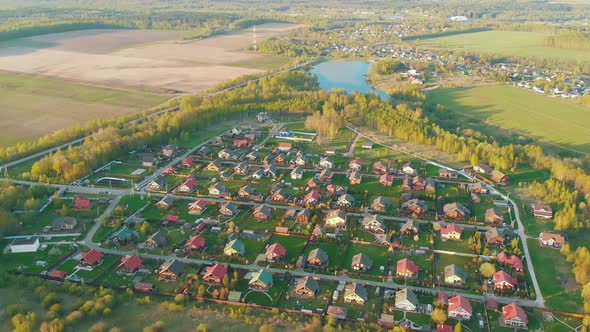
(483, 169)
(410, 227)
(361, 262)
(380, 167)
(234, 248)
(409, 168)
(494, 217)
(195, 243)
(297, 173)
(165, 203)
(130, 264)
(317, 257)
(406, 268)
(326, 162)
(306, 287)
(514, 316)
(157, 240)
(241, 143)
(224, 175)
(227, 154)
(57, 274)
(542, 211)
(314, 183)
(355, 293)
(170, 270)
(510, 260)
(337, 312)
(503, 280)
(336, 219)
(456, 211)
(90, 259)
(169, 150)
(242, 168)
(214, 166)
(262, 213)
(64, 223)
(552, 239)
(169, 170)
(261, 280)
(303, 216)
(380, 204)
(218, 190)
(326, 176)
(299, 161)
(499, 177)
(258, 174)
(346, 200)
(335, 189)
(228, 209)
(414, 206)
(460, 308)
(355, 177)
(373, 223)
(477, 188)
(386, 180)
(447, 173)
(281, 195)
(281, 158)
(271, 171)
(330, 152)
(451, 232)
(268, 160)
(25, 245)
(430, 185)
(205, 152)
(197, 207)
(312, 198)
(454, 275)
(148, 160)
(275, 252)
(188, 162)
(158, 185)
(188, 186)
(443, 328)
(406, 300)
(252, 156)
(317, 233)
(355, 165)
(285, 146)
(124, 236)
(82, 203)
(495, 237)
(237, 130)
(475, 198)
(246, 191)
(214, 274)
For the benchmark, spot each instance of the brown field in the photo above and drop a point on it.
(139, 59)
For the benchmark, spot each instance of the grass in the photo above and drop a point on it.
(26, 261)
(290, 301)
(264, 62)
(507, 43)
(379, 255)
(293, 245)
(507, 111)
(33, 107)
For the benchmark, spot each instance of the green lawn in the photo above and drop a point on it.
(293, 245)
(290, 301)
(379, 255)
(26, 262)
(334, 251)
(465, 263)
(507, 43)
(503, 110)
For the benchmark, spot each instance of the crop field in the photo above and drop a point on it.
(32, 107)
(510, 111)
(507, 43)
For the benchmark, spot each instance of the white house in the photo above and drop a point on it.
(24, 245)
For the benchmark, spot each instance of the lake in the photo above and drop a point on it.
(346, 75)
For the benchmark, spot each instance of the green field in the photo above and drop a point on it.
(32, 107)
(507, 43)
(512, 112)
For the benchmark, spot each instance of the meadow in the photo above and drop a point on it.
(506, 43)
(515, 113)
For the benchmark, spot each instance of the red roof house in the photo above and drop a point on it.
(312, 198)
(406, 268)
(188, 162)
(169, 170)
(90, 258)
(275, 251)
(386, 180)
(504, 280)
(197, 207)
(130, 264)
(58, 274)
(81, 203)
(195, 243)
(460, 308)
(513, 315)
(511, 260)
(171, 219)
(214, 274)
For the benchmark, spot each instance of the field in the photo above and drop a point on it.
(507, 43)
(141, 59)
(510, 111)
(33, 107)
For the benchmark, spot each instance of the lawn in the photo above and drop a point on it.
(369, 311)
(334, 251)
(507, 43)
(293, 245)
(33, 107)
(465, 263)
(497, 110)
(320, 301)
(26, 262)
(379, 255)
(421, 259)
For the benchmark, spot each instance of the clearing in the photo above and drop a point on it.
(507, 43)
(514, 113)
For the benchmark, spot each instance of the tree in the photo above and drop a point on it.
(439, 316)
(179, 298)
(565, 250)
(65, 210)
(202, 327)
(487, 270)
(202, 290)
(266, 328)
(458, 327)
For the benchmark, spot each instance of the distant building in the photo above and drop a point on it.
(24, 245)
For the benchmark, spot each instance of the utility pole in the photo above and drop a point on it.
(254, 43)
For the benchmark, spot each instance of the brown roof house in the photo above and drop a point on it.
(456, 211)
(170, 270)
(355, 293)
(262, 213)
(157, 240)
(373, 223)
(346, 200)
(275, 252)
(380, 204)
(414, 206)
(361, 262)
(454, 275)
(542, 211)
(552, 239)
(499, 177)
(228, 209)
(306, 287)
(495, 237)
(494, 217)
(410, 227)
(317, 257)
(386, 180)
(406, 300)
(214, 274)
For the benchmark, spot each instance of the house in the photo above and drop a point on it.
(297, 173)
(307, 287)
(234, 248)
(227, 154)
(261, 280)
(442, 299)
(314, 183)
(237, 130)
(542, 211)
(317, 257)
(416, 183)
(414, 206)
(281, 158)
(373, 223)
(502, 280)
(460, 308)
(406, 300)
(483, 169)
(303, 216)
(270, 170)
(246, 191)
(494, 217)
(157, 240)
(367, 146)
(169, 150)
(499, 177)
(214, 274)
(224, 175)
(451, 232)
(355, 293)
(477, 188)
(335, 189)
(169, 170)
(188, 162)
(337, 312)
(511, 260)
(197, 207)
(355, 177)
(241, 143)
(406, 268)
(258, 174)
(326, 175)
(144, 287)
(214, 166)
(170, 270)
(456, 211)
(552, 239)
(64, 223)
(346, 200)
(317, 233)
(454, 275)
(380, 167)
(205, 152)
(195, 243)
(158, 185)
(330, 152)
(443, 328)
(187, 186)
(355, 165)
(241, 168)
(285, 146)
(275, 252)
(514, 316)
(336, 219)
(447, 173)
(410, 227)
(430, 184)
(218, 190)
(165, 203)
(252, 156)
(386, 180)
(475, 198)
(124, 236)
(90, 259)
(148, 160)
(299, 161)
(495, 237)
(262, 213)
(380, 204)
(409, 168)
(82, 203)
(268, 160)
(312, 198)
(57, 274)
(361, 262)
(326, 162)
(280, 195)
(25, 245)
(228, 209)
(130, 264)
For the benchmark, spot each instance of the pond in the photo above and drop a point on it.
(346, 75)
